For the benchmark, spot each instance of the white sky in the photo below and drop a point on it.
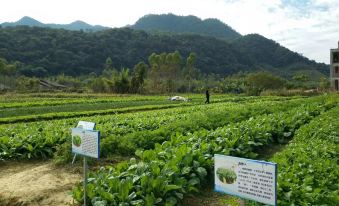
(309, 27)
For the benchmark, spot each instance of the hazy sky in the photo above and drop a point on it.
(309, 27)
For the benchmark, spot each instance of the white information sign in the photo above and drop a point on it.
(246, 178)
(86, 125)
(86, 142)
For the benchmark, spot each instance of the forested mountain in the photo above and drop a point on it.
(75, 52)
(185, 24)
(77, 25)
(269, 55)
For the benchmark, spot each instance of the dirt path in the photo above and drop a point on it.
(36, 183)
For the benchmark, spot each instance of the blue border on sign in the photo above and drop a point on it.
(250, 160)
(276, 184)
(98, 144)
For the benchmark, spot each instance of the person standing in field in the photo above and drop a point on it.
(207, 97)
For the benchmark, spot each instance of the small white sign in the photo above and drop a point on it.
(86, 142)
(246, 178)
(86, 125)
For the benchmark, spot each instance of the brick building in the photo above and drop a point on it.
(334, 66)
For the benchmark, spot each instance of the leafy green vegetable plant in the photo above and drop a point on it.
(227, 176)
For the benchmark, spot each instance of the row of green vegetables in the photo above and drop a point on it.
(119, 132)
(19, 101)
(180, 166)
(66, 115)
(209, 118)
(308, 166)
(16, 112)
(40, 139)
(126, 142)
(89, 108)
(13, 97)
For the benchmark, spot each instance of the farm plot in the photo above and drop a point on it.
(123, 134)
(309, 170)
(180, 166)
(171, 148)
(14, 110)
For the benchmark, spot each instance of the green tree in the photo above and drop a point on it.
(154, 73)
(233, 84)
(190, 66)
(69, 81)
(301, 80)
(108, 63)
(25, 84)
(122, 81)
(99, 85)
(2, 66)
(31, 71)
(138, 78)
(6, 68)
(164, 70)
(260, 81)
(324, 83)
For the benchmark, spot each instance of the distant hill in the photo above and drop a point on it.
(185, 24)
(74, 52)
(266, 53)
(77, 25)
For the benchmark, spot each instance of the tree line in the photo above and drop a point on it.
(162, 73)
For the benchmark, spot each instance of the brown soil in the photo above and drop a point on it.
(210, 198)
(269, 151)
(36, 183)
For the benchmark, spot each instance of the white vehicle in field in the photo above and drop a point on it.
(178, 98)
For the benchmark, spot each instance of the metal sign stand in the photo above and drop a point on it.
(85, 181)
(242, 202)
(89, 127)
(75, 155)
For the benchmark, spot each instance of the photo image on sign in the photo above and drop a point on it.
(226, 176)
(77, 140)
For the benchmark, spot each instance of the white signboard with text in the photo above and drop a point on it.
(86, 125)
(246, 178)
(86, 142)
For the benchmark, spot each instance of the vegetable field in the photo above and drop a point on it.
(170, 145)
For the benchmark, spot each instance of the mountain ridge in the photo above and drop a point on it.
(74, 26)
(150, 23)
(185, 24)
